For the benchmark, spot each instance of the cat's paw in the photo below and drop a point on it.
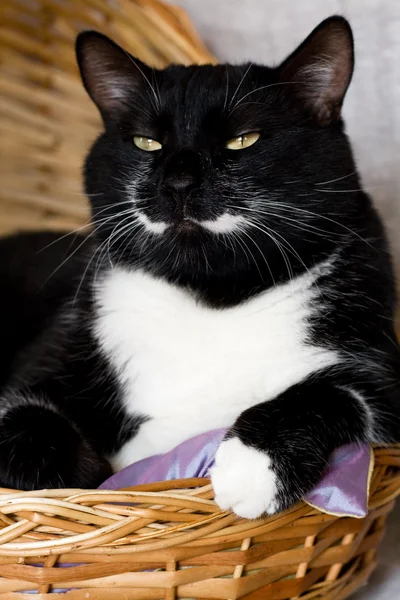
(243, 480)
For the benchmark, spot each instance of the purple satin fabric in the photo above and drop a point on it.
(193, 458)
(342, 491)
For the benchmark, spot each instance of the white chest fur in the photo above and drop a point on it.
(191, 368)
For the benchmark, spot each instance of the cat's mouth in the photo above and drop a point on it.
(185, 226)
(224, 223)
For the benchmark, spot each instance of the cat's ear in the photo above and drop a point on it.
(320, 70)
(109, 74)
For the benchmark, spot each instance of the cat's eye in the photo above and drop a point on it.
(242, 141)
(146, 144)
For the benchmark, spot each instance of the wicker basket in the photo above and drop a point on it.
(166, 540)
(169, 540)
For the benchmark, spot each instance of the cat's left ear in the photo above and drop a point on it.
(319, 71)
(110, 75)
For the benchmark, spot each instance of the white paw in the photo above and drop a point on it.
(243, 480)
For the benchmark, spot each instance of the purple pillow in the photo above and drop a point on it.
(343, 491)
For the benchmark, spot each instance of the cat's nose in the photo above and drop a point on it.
(182, 173)
(180, 182)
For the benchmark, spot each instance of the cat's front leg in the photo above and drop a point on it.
(277, 451)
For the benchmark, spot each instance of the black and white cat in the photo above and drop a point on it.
(238, 277)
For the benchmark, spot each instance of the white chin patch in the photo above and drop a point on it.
(157, 227)
(225, 223)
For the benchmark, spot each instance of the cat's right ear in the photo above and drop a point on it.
(109, 74)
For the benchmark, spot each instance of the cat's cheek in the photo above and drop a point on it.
(243, 480)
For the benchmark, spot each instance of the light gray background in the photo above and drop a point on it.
(265, 31)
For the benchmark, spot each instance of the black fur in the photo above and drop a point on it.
(61, 402)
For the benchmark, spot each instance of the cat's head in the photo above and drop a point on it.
(220, 171)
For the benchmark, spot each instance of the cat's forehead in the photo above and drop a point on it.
(200, 105)
(202, 97)
(209, 84)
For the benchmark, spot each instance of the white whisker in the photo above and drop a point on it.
(337, 179)
(240, 83)
(263, 87)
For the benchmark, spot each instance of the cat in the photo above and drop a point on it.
(237, 276)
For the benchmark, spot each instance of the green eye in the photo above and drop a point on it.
(242, 141)
(146, 144)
